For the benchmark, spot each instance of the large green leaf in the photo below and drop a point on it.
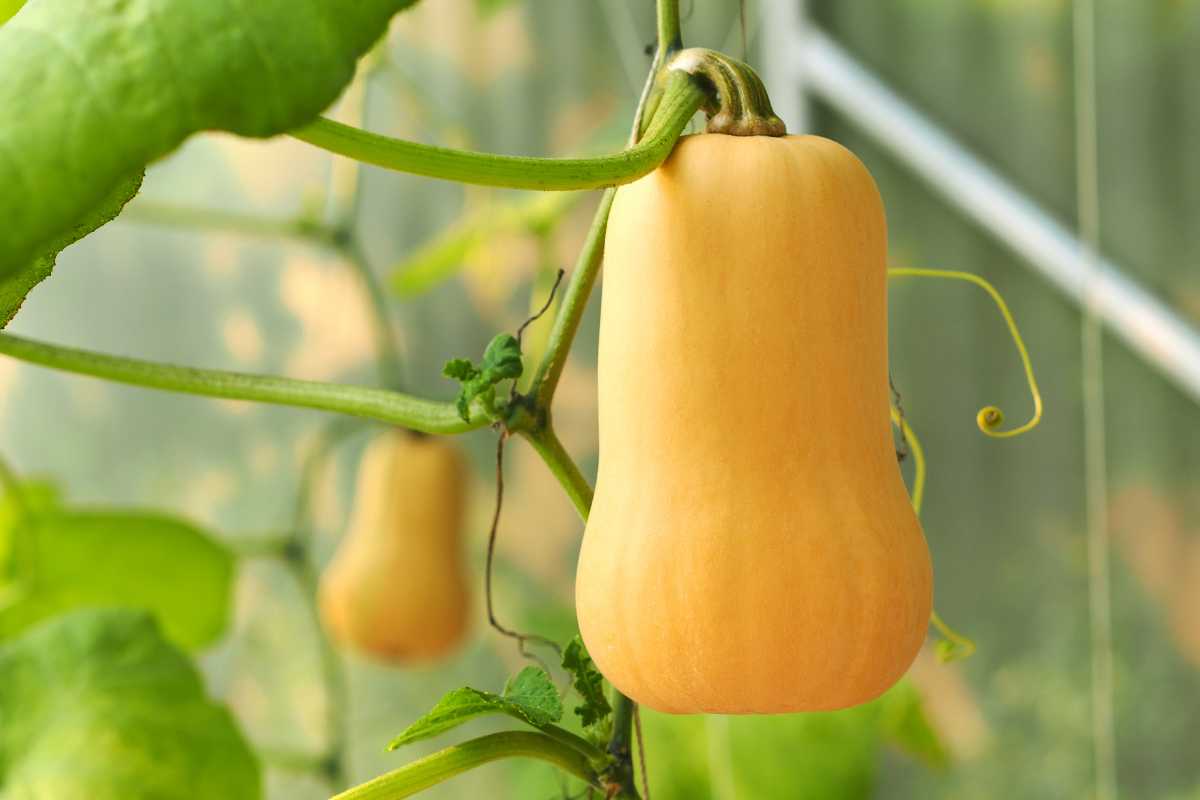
(93, 90)
(815, 756)
(55, 559)
(8, 8)
(98, 705)
(15, 286)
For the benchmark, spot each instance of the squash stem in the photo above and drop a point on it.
(670, 33)
(738, 104)
(545, 441)
(457, 759)
(682, 97)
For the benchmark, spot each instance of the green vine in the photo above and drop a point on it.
(457, 759)
(682, 97)
(394, 408)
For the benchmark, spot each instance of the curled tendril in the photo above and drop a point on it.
(990, 418)
(954, 646)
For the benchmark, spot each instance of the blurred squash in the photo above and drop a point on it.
(751, 547)
(396, 588)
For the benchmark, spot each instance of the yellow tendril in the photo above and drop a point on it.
(990, 418)
(918, 454)
(954, 646)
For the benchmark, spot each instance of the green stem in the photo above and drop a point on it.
(210, 219)
(574, 303)
(546, 443)
(292, 761)
(594, 754)
(298, 557)
(303, 230)
(670, 35)
(620, 746)
(682, 96)
(256, 546)
(395, 408)
(333, 676)
(457, 759)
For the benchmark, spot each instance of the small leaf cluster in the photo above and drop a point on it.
(501, 362)
(531, 697)
(595, 713)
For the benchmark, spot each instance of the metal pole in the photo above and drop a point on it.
(783, 26)
(1145, 323)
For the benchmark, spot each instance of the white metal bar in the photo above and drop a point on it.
(1145, 323)
(782, 21)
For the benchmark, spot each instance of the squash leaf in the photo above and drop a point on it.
(94, 90)
(98, 704)
(15, 286)
(8, 8)
(55, 559)
(501, 361)
(595, 710)
(903, 722)
(530, 696)
(447, 252)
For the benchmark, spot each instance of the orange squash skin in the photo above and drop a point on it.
(396, 588)
(751, 547)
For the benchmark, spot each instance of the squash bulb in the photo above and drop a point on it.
(396, 588)
(751, 547)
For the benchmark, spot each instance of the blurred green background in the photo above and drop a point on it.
(1004, 519)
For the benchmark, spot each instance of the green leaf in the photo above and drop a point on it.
(447, 252)
(460, 369)
(14, 287)
(903, 722)
(98, 705)
(501, 361)
(62, 559)
(530, 697)
(94, 90)
(8, 8)
(588, 682)
(532, 691)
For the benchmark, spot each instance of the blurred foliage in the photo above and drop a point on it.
(1004, 520)
(820, 756)
(8, 8)
(98, 704)
(54, 558)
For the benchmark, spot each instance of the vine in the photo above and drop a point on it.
(680, 82)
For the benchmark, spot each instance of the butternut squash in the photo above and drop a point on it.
(751, 547)
(396, 588)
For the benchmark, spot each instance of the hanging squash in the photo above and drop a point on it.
(751, 547)
(396, 587)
